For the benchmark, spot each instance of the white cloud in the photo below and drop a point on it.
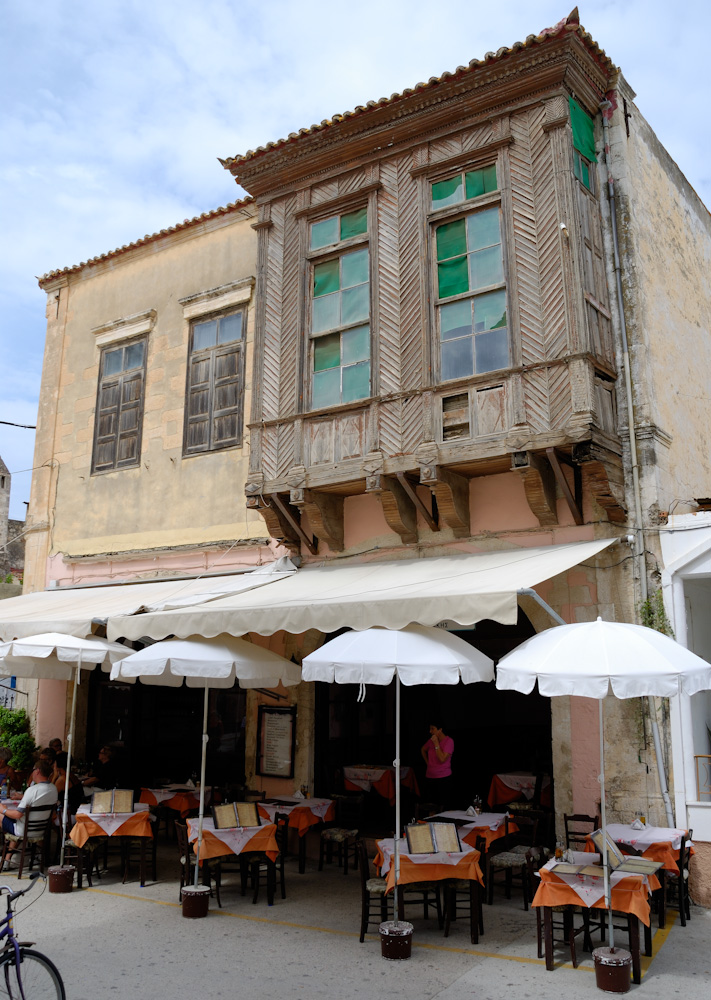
(114, 113)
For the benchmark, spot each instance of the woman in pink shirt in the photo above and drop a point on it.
(437, 754)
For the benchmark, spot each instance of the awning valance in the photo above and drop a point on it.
(72, 611)
(465, 588)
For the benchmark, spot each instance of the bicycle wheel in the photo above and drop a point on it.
(36, 979)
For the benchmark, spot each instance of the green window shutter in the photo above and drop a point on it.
(583, 131)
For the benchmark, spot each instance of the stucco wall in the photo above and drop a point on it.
(665, 245)
(168, 500)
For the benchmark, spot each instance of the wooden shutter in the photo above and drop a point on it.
(213, 407)
(226, 407)
(119, 420)
(199, 402)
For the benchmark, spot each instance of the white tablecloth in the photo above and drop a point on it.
(466, 821)
(365, 777)
(110, 822)
(523, 782)
(319, 807)
(641, 839)
(235, 838)
(387, 848)
(590, 888)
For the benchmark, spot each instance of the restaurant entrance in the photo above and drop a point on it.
(493, 731)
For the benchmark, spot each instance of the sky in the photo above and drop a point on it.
(113, 114)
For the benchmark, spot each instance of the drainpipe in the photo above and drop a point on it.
(606, 109)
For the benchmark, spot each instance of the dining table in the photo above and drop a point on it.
(490, 826)
(136, 824)
(508, 786)
(629, 894)
(441, 866)
(303, 814)
(379, 778)
(235, 841)
(182, 799)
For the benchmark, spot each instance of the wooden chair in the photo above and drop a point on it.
(34, 839)
(187, 864)
(562, 917)
(425, 809)
(373, 901)
(508, 855)
(343, 834)
(677, 886)
(574, 836)
(260, 870)
(463, 895)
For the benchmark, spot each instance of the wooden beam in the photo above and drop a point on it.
(452, 494)
(563, 484)
(294, 524)
(325, 514)
(412, 494)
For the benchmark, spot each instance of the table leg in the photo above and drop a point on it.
(302, 854)
(271, 882)
(474, 910)
(548, 936)
(143, 861)
(662, 899)
(633, 924)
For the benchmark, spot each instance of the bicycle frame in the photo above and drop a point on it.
(7, 927)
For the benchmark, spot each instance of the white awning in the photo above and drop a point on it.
(462, 587)
(72, 611)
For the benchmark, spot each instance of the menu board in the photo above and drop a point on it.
(276, 733)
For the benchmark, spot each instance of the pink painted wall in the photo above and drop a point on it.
(585, 753)
(51, 708)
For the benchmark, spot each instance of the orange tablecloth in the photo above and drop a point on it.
(655, 852)
(628, 896)
(181, 802)
(501, 794)
(488, 834)
(137, 824)
(467, 867)
(263, 839)
(385, 785)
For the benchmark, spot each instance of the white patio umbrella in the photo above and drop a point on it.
(207, 663)
(53, 656)
(416, 654)
(589, 658)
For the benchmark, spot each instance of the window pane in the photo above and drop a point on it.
(113, 361)
(451, 239)
(474, 183)
(455, 320)
(492, 351)
(326, 313)
(355, 344)
(327, 352)
(585, 172)
(453, 277)
(230, 328)
(204, 335)
(486, 267)
(326, 277)
(447, 192)
(133, 358)
(356, 382)
(483, 229)
(327, 388)
(324, 233)
(457, 358)
(490, 311)
(354, 268)
(354, 223)
(355, 304)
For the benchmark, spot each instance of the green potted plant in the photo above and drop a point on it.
(16, 735)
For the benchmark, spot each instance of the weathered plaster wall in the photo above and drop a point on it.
(665, 244)
(168, 500)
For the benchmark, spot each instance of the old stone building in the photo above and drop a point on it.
(456, 330)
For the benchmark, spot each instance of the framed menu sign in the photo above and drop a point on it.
(276, 738)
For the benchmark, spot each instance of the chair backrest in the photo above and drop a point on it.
(363, 865)
(535, 860)
(181, 836)
(252, 795)
(423, 810)
(527, 829)
(349, 810)
(282, 831)
(574, 835)
(37, 822)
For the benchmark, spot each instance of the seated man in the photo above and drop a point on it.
(42, 793)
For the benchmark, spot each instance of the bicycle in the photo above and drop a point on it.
(25, 974)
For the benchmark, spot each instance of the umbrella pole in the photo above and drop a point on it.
(396, 762)
(202, 783)
(603, 817)
(67, 780)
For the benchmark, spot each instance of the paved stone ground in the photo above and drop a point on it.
(123, 941)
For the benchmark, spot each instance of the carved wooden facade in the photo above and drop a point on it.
(549, 413)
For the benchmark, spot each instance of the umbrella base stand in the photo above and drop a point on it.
(612, 969)
(396, 939)
(61, 878)
(196, 899)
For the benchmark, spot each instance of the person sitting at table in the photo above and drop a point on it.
(56, 745)
(39, 794)
(7, 773)
(437, 753)
(105, 770)
(59, 780)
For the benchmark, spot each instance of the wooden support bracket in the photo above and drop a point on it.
(398, 509)
(538, 485)
(574, 502)
(289, 515)
(325, 514)
(412, 494)
(452, 494)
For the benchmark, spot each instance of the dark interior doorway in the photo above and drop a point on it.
(493, 731)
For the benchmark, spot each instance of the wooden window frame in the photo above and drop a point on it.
(320, 255)
(119, 380)
(211, 354)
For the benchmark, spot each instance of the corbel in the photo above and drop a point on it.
(574, 502)
(451, 491)
(538, 485)
(280, 522)
(398, 509)
(597, 471)
(325, 514)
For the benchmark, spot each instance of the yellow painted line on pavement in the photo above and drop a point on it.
(657, 942)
